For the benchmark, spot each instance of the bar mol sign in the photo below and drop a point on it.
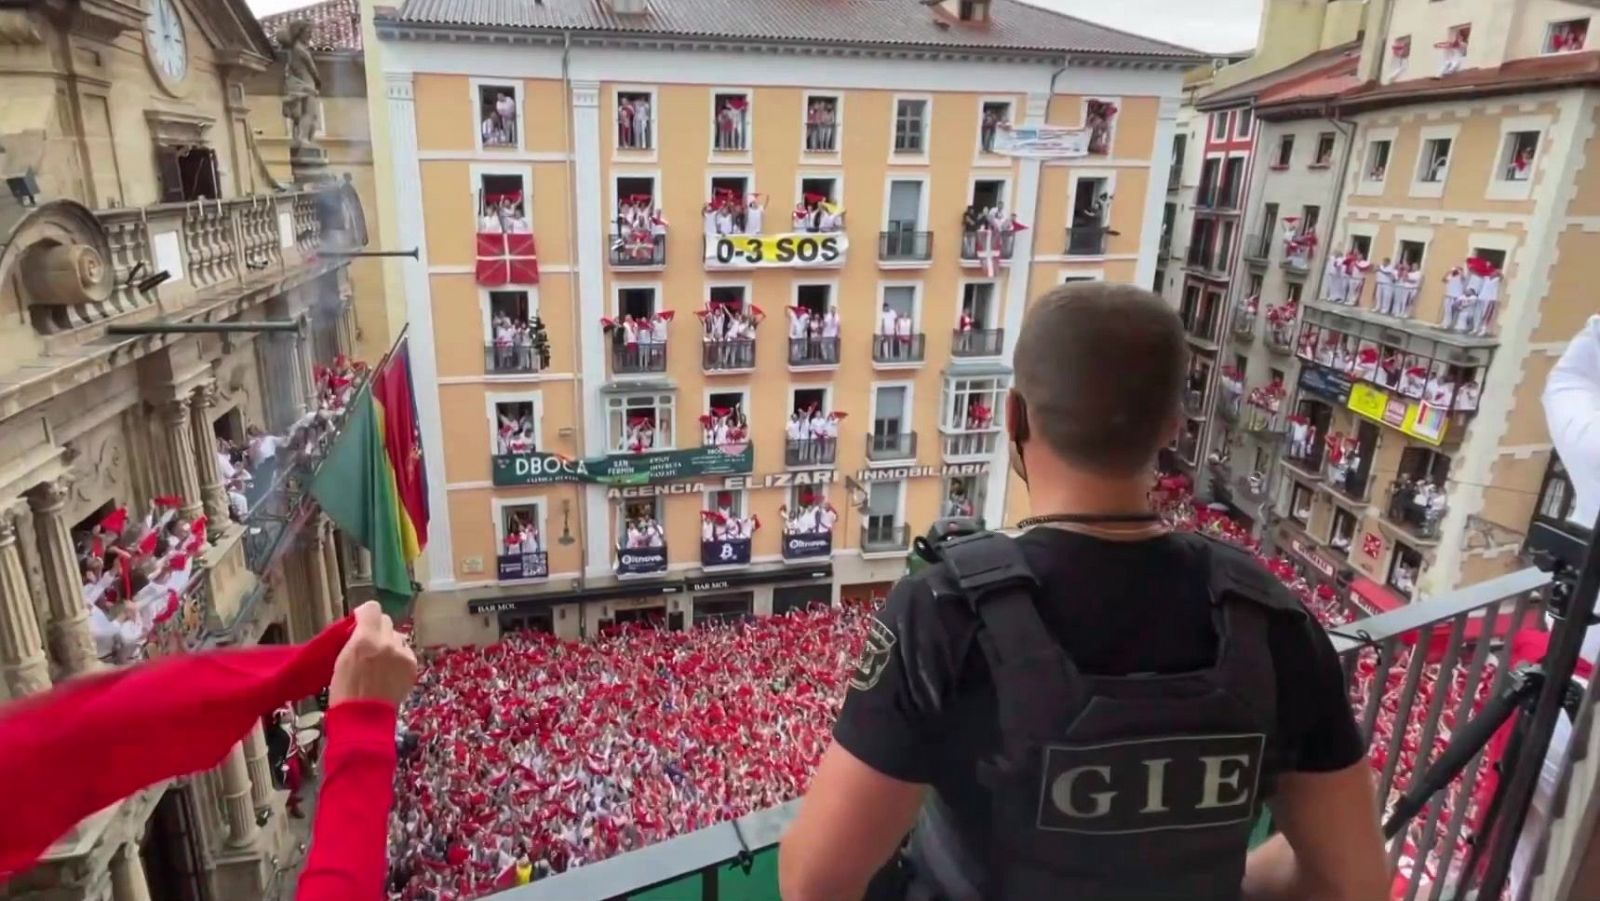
(792, 479)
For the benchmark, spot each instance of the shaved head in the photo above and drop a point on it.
(1099, 372)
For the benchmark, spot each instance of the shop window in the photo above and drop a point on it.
(801, 597)
(723, 609)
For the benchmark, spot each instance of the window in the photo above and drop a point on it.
(638, 303)
(187, 173)
(499, 125)
(1232, 182)
(1453, 52)
(891, 424)
(901, 300)
(1242, 123)
(728, 421)
(1361, 245)
(964, 496)
(883, 515)
(905, 206)
(732, 607)
(993, 116)
(1269, 225)
(972, 404)
(1435, 160)
(1516, 155)
(1285, 152)
(977, 304)
(521, 526)
(973, 10)
(730, 503)
(822, 123)
(813, 215)
(1404, 569)
(1292, 290)
(1324, 156)
(1224, 245)
(1219, 126)
(516, 426)
(1566, 36)
(1399, 54)
(640, 523)
(1377, 164)
(1309, 216)
(503, 207)
(640, 422)
(730, 122)
(1091, 217)
(910, 126)
(729, 192)
(1300, 503)
(1411, 253)
(1209, 170)
(814, 299)
(635, 121)
(1343, 530)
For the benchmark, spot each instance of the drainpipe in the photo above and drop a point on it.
(577, 323)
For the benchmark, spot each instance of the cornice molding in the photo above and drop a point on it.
(392, 30)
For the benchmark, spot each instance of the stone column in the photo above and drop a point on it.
(241, 813)
(23, 665)
(177, 437)
(317, 574)
(128, 882)
(70, 641)
(336, 589)
(255, 759)
(212, 495)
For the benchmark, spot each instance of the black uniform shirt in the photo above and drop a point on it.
(1116, 608)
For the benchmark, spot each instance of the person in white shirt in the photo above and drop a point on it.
(262, 447)
(1383, 296)
(709, 214)
(754, 216)
(641, 123)
(1333, 280)
(1454, 296)
(1572, 412)
(886, 331)
(1486, 303)
(1406, 289)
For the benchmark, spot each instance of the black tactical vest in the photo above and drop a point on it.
(1134, 788)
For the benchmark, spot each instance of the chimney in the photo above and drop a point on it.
(629, 7)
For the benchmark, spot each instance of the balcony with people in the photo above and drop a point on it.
(522, 549)
(1282, 321)
(970, 339)
(1090, 225)
(808, 527)
(639, 235)
(727, 532)
(1418, 496)
(642, 544)
(143, 581)
(728, 331)
(811, 435)
(1201, 312)
(1263, 411)
(725, 425)
(1299, 244)
(1348, 462)
(521, 344)
(638, 339)
(1230, 403)
(988, 233)
(896, 343)
(1305, 447)
(969, 421)
(814, 330)
(1244, 318)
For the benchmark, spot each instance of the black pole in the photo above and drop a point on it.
(201, 328)
(414, 253)
(1573, 618)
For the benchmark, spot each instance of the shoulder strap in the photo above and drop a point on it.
(1232, 574)
(1036, 684)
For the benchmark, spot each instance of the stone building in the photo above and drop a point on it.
(160, 293)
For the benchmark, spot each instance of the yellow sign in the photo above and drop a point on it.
(1415, 418)
(799, 250)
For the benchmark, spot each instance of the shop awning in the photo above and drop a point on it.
(1376, 598)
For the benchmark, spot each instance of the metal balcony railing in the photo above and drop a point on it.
(1244, 323)
(1087, 240)
(892, 445)
(977, 342)
(814, 351)
(1415, 674)
(634, 359)
(1280, 338)
(892, 350)
(811, 452)
(1352, 483)
(638, 253)
(1263, 421)
(1201, 327)
(976, 249)
(725, 356)
(905, 246)
(1308, 463)
(514, 359)
(967, 443)
(877, 538)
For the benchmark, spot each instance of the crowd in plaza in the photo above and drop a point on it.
(533, 755)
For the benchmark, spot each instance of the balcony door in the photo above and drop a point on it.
(889, 410)
(905, 206)
(977, 301)
(883, 511)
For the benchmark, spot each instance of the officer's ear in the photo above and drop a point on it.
(1016, 417)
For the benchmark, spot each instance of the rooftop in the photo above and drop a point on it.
(890, 24)
(1315, 86)
(335, 24)
(1251, 89)
(1518, 75)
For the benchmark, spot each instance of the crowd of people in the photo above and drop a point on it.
(134, 573)
(812, 515)
(1435, 382)
(733, 123)
(638, 342)
(813, 436)
(520, 344)
(822, 131)
(640, 528)
(988, 228)
(729, 334)
(558, 753)
(729, 213)
(1420, 501)
(813, 335)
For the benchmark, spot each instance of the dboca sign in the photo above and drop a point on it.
(535, 469)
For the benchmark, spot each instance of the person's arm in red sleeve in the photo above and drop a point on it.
(349, 841)
(349, 855)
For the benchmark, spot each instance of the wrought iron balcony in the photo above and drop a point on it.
(514, 359)
(1416, 518)
(1307, 462)
(1244, 323)
(1087, 240)
(892, 445)
(878, 538)
(637, 359)
(898, 350)
(977, 342)
(811, 452)
(1350, 483)
(1263, 421)
(1231, 405)
(728, 356)
(630, 253)
(978, 248)
(813, 353)
(905, 246)
(1280, 338)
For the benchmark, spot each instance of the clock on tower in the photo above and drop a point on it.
(165, 43)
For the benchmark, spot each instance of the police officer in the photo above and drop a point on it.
(1098, 709)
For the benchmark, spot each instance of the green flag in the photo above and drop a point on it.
(356, 487)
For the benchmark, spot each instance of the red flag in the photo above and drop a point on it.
(176, 716)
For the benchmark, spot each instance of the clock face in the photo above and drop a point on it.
(163, 31)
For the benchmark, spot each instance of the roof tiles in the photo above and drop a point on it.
(335, 24)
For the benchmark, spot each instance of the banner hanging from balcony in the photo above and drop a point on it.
(507, 259)
(524, 566)
(797, 250)
(1415, 418)
(725, 552)
(804, 545)
(641, 561)
(538, 468)
(1042, 142)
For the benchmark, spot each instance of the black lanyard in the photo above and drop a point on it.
(1089, 518)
